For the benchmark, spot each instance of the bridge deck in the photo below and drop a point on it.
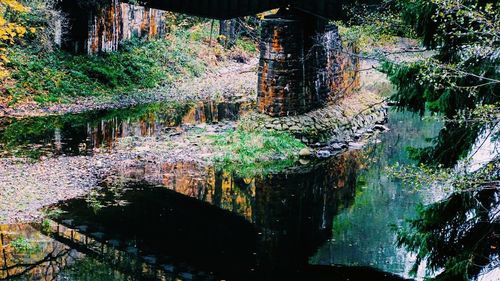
(224, 9)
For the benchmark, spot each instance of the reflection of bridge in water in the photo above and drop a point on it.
(247, 229)
(231, 226)
(81, 134)
(177, 223)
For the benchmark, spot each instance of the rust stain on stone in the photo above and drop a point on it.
(145, 21)
(152, 25)
(291, 83)
(280, 92)
(121, 21)
(264, 88)
(276, 46)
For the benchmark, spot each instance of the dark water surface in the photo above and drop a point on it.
(362, 233)
(323, 221)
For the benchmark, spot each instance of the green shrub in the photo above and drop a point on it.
(247, 45)
(51, 77)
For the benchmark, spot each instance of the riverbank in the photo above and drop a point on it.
(43, 80)
(230, 81)
(27, 185)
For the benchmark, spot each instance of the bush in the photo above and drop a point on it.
(139, 64)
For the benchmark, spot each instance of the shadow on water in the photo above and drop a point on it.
(184, 222)
(150, 232)
(82, 134)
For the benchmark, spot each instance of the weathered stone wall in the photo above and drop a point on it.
(333, 124)
(303, 65)
(122, 21)
(281, 71)
(332, 72)
(101, 28)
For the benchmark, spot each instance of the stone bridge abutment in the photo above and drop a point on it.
(303, 64)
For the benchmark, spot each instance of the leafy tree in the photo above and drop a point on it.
(457, 237)
(464, 73)
(11, 28)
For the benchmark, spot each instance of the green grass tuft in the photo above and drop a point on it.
(250, 153)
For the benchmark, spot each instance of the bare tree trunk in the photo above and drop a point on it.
(211, 32)
(232, 32)
(228, 32)
(223, 32)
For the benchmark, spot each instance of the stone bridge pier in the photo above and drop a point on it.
(303, 64)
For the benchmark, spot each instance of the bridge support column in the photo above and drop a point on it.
(281, 68)
(301, 66)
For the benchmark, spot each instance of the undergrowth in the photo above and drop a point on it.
(370, 30)
(50, 77)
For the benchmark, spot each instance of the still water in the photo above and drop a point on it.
(94, 131)
(322, 221)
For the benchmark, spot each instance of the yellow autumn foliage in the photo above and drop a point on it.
(14, 5)
(9, 31)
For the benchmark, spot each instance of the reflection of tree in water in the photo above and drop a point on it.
(453, 143)
(60, 258)
(459, 235)
(47, 267)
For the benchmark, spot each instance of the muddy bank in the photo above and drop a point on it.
(232, 81)
(27, 185)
